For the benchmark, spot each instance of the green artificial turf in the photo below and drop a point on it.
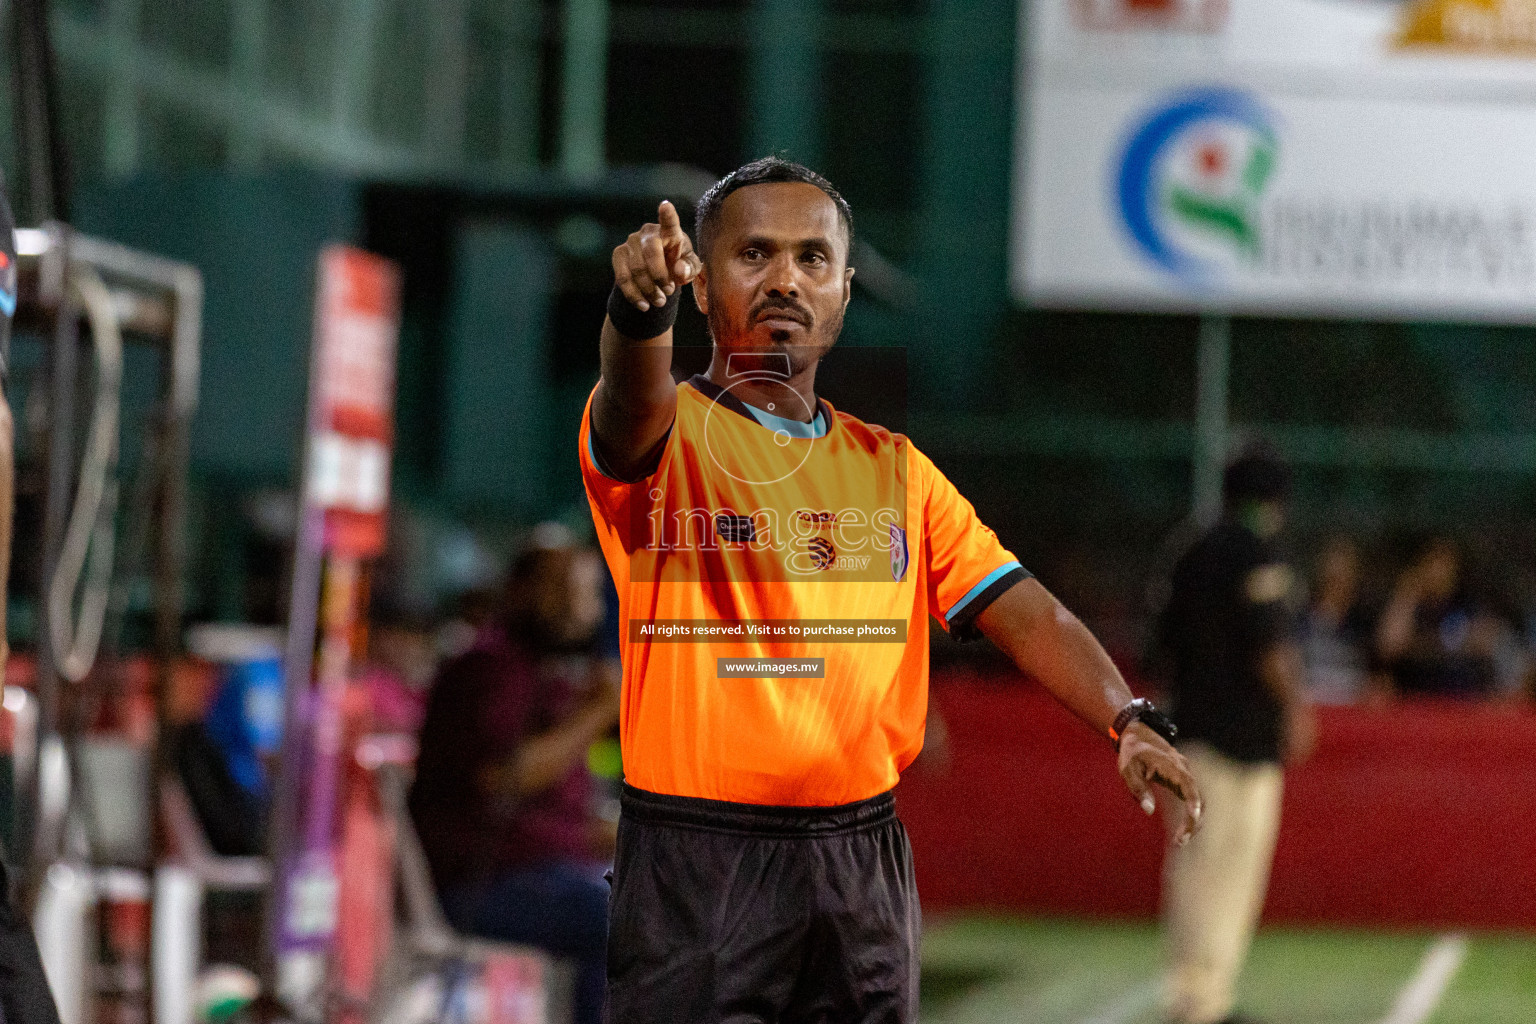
(991, 970)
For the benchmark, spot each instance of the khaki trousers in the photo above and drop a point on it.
(1213, 886)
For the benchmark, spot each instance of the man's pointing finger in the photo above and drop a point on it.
(666, 216)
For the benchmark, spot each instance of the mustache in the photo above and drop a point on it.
(783, 307)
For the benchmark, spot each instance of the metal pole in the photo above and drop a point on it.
(446, 83)
(298, 673)
(965, 121)
(247, 60)
(1212, 426)
(785, 83)
(120, 134)
(62, 372)
(584, 89)
(178, 403)
(40, 143)
(352, 78)
(518, 77)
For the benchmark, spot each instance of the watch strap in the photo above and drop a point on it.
(1142, 710)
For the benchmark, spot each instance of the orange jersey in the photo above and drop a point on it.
(765, 538)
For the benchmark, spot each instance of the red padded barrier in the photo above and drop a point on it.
(1415, 814)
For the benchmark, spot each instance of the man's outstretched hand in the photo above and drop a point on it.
(656, 260)
(1052, 645)
(1147, 761)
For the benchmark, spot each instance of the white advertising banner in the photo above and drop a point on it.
(1314, 157)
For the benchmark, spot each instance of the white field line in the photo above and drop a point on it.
(1422, 994)
(1127, 1006)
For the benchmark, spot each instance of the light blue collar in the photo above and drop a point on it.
(794, 428)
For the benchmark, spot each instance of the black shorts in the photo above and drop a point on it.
(727, 913)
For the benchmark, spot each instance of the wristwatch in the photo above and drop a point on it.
(1143, 711)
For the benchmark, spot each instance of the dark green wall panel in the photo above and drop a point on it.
(498, 443)
(255, 240)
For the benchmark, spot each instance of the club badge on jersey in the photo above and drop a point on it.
(898, 553)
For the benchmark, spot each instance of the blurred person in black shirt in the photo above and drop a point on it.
(1229, 639)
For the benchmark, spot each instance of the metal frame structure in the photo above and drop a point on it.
(158, 303)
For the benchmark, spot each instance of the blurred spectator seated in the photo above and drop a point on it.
(1335, 637)
(1437, 640)
(222, 759)
(474, 610)
(503, 799)
(399, 667)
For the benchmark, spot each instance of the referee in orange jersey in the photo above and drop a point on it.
(777, 561)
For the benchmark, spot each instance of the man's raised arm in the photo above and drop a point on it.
(1052, 645)
(637, 398)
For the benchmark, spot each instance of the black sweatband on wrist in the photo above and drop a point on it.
(642, 324)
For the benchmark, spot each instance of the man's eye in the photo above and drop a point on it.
(815, 259)
(752, 254)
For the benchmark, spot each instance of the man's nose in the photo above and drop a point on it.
(783, 277)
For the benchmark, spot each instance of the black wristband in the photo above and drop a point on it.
(1142, 710)
(642, 324)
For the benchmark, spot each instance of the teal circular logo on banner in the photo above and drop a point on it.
(1191, 178)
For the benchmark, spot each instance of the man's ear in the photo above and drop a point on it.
(847, 287)
(701, 291)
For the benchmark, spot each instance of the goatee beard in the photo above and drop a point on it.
(802, 357)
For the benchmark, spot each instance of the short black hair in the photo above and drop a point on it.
(1257, 474)
(767, 171)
